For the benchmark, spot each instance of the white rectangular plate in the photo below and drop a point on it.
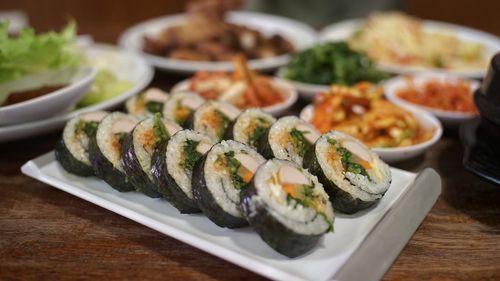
(362, 247)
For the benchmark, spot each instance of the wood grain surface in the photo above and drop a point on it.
(47, 234)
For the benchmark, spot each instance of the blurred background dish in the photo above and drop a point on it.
(397, 154)
(41, 102)
(123, 65)
(244, 88)
(448, 48)
(314, 69)
(448, 98)
(395, 132)
(298, 34)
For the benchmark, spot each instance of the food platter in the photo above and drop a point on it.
(344, 29)
(127, 65)
(300, 35)
(372, 238)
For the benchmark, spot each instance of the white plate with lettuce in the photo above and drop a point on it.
(120, 75)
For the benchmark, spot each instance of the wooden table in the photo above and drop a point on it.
(48, 234)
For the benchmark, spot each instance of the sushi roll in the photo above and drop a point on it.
(213, 118)
(351, 173)
(219, 178)
(138, 148)
(146, 103)
(287, 207)
(288, 138)
(105, 149)
(250, 126)
(172, 168)
(181, 106)
(71, 150)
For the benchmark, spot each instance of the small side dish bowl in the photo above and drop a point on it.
(396, 154)
(49, 104)
(448, 118)
(285, 87)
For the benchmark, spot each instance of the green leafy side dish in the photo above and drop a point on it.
(332, 63)
(29, 53)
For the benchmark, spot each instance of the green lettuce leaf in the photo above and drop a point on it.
(30, 53)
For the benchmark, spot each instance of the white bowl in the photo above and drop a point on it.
(341, 31)
(448, 118)
(277, 109)
(300, 35)
(396, 154)
(50, 104)
(306, 90)
(124, 64)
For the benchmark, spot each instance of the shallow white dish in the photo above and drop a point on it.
(306, 91)
(396, 154)
(277, 109)
(448, 118)
(129, 66)
(344, 29)
(362, 248)
(51, 103)
(299, 34)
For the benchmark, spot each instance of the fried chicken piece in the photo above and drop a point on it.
(188, 54)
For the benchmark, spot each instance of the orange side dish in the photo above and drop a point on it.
(244, 88)
(362, 112)
(441, 95)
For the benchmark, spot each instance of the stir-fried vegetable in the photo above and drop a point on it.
(362, 112)
(332, 63)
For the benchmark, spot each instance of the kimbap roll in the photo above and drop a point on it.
(288, 138)
(146, 103)
(288, 207)
(219, 178)
(72, 150)
(213, 118)
(138, 148)
(250, 126)
(354, 176)
(105, 149)
(173, 164)
(181, 106)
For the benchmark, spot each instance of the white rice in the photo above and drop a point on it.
(203, 116)
(175, 157)
(171, 105)
(136, 105)
(357, 185)
(219, 181)
(298, 218)
(144, 141)
(107, 141)
(78, 142)
(247, 121)
(282, 144)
